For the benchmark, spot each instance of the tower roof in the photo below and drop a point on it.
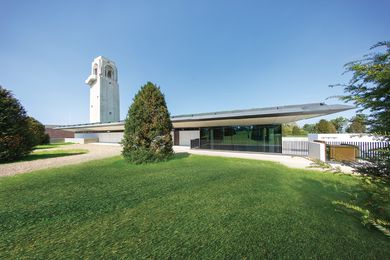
(104, 58)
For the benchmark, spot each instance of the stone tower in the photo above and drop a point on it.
(104, 91)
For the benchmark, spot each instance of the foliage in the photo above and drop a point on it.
(369, 87)
(188, 207)
(287, 129)
(366, 217)
(339, 123)
(16, 140)
(38, 131)
(147, 135)
(316, 163)
(310, 128)
(296, 130)
(378, 167)
(46, 139)
(358, 124)
(374, 199)
(292, 129)
(325, 127)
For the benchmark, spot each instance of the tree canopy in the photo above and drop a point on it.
(16, 138)
(369, 87)
(358, 124)
(38, 131)
(325, 127)
(339, 123)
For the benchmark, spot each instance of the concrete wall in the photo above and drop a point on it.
(81, 140)
(110, 137)
(116, 137)
(287, 138)
(317, 151)
(185, 137)
(344, 137)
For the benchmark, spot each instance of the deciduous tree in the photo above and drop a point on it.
(339, 123)
(325, 127)
(369, 87)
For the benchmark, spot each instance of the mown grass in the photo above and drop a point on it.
(189, 207)
(37, 155)
(49, 146)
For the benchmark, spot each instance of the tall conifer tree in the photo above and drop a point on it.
(147, 136)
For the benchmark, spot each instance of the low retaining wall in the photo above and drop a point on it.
(109, 137)
(81, 140)
(317, 151)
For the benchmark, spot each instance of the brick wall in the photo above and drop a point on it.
(55, 133)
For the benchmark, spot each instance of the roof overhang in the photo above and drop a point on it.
(256, 116)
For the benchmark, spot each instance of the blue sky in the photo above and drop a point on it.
(205, 55)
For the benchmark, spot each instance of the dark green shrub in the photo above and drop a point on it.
(16, 139)
(147, 136)
(46, 139)
(377, 167)
(38, 131)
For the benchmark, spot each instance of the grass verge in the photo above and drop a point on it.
(49, 146)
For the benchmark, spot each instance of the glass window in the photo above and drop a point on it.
(256, 138)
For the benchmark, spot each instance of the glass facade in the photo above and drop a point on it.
(254, 138)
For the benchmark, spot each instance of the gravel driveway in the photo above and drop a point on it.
(96, 151)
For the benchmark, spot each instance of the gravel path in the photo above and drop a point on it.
(96, 151)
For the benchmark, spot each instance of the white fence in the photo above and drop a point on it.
(367, 149)
(295, 146)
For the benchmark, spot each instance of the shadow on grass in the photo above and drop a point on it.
(51, 154)
(354, 201)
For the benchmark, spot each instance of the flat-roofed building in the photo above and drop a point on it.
(257, 129)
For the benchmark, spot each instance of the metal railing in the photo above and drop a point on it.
(295, 147)
(366, 149)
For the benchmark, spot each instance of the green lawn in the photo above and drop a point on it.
(37, 155)
(49, 146)
(189, 207)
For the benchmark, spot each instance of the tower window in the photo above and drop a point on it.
(109, 72)
(95, 69)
